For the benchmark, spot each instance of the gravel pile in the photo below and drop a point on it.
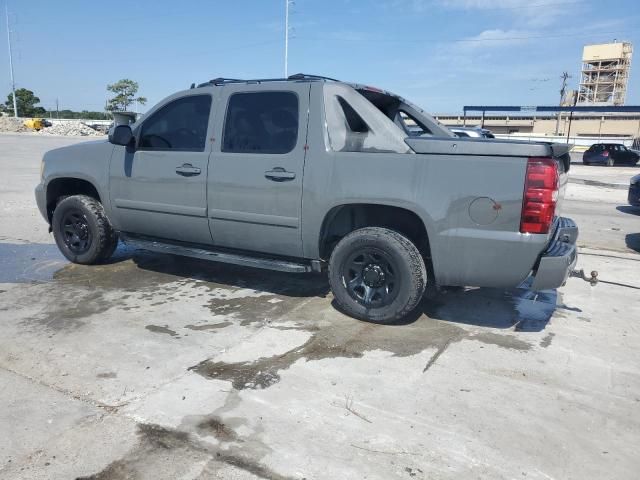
(71, 129)
(10, 124)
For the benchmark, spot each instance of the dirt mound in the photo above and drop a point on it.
(13, 125)
(71, 129)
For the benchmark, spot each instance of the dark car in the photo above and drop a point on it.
(610, 154)
(634, 191)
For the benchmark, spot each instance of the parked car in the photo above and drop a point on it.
(610, 154)
(310, 174)
(634, 191)
(472, 132)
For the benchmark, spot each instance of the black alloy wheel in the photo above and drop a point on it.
(77, 234)
(369, 275)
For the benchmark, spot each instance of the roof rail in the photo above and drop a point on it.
(297, 76)
(306, 76)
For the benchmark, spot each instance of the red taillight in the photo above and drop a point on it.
(540, 195)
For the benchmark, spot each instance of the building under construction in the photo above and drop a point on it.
(605, 74)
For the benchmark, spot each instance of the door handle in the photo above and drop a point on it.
(279, 174)
(188, 170)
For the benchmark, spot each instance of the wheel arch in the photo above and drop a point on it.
(345, 218)
(61, 187)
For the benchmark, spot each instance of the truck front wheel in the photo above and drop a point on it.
(82, 230)
(377, 274)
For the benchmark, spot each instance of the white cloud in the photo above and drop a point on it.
(495, 38)
(522, 12)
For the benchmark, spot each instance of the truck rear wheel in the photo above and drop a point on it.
(82, 230)
(377, 274)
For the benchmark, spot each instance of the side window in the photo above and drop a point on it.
(354, 121)
(354, 124)
(261, 122)
(178, 126)
(461, 134)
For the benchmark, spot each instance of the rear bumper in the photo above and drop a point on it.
(558, 260)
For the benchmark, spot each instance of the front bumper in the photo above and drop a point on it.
(558, 260)
(634, 195)
(41, 200)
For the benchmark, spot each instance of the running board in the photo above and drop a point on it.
(218, 256)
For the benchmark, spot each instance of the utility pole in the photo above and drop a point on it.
(286, 38)
(13, 83)
(57, 108)
(565, 76)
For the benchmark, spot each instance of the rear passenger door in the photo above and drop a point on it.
(255, 175)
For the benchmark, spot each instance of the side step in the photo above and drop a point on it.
(219, 256)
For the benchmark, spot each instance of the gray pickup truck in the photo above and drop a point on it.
(310, 174)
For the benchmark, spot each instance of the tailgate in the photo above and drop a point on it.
(480, 147)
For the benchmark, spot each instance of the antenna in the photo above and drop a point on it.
(13, 83)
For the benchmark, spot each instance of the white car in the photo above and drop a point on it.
(474, 132)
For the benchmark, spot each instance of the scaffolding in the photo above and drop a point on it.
(605, 74)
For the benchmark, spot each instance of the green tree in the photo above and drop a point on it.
(125, 91)
(26, 103)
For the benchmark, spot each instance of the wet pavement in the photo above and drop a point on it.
(155, 366)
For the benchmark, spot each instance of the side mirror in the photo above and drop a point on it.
(121, 135)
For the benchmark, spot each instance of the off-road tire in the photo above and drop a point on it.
(103, 238)
(407, 261)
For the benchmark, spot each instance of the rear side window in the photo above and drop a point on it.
(353, 124)
(261, 122)
(354, 121)
(180, 125)
(461, 134)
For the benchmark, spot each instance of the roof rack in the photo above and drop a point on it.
(305, 76)
(297, 76)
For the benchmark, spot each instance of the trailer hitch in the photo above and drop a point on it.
(593, 280)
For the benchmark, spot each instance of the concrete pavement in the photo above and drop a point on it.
(157, 367)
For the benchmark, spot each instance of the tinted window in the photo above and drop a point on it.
(179, 125)
(461, 134)
(262, 122)
(354, 121)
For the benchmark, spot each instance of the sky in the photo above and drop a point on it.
(440, 54)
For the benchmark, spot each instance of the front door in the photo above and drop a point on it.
(255, 175)
(159, 188)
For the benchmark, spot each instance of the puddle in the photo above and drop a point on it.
(348, 338)
(174, 452)
(159, 329)
(29, 262)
